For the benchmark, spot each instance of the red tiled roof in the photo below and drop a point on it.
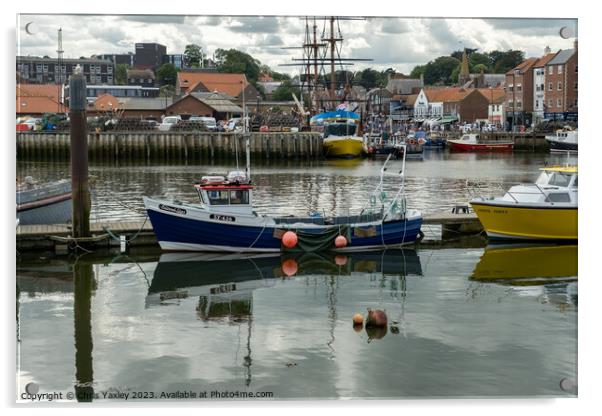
(38, 99)
(39, 105)
(446, 95)
(544, 60)
(230, 84)
(39, 90)
(499, 94)
(523, 66)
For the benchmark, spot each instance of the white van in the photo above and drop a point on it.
(168, 122)
(209, 122)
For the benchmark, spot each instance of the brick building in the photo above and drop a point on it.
(190, 81)
(539, 85)
(149, 55)
(519, 93)
(142, 77)
(205, 104)
(561, 85)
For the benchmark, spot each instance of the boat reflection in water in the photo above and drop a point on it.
(224, 283)
(553, 267)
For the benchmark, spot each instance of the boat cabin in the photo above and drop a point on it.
(232, 194)
(554, 185)
(340, 128)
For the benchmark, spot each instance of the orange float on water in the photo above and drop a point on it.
(358, 319)
(289, 239)
(340, 241)
(290, 267)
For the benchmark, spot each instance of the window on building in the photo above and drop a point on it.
(537, 104)
(519, 87)
(575, 85)
(559, 102)
(559, 86)
(575, 68)
(550, 70)
(519, 104)
(550, 102)
(510, 87)
(550, 86)
(559, 69)
(576, 105)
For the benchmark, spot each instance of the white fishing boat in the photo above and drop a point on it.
(563, 140)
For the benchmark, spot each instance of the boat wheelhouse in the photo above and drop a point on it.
(563, 140)
(544, 210)
(340, 129)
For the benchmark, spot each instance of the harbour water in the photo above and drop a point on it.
(463, 322)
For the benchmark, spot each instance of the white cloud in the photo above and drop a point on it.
(400, 43)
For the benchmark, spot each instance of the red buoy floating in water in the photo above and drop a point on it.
(289, 239)
(340, 241)
(290, 267)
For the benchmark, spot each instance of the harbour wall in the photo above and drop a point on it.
(171, 146)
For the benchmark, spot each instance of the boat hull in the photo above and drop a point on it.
(343, 147)
(50, 204)
(502, 221)
(480, 147)
(189, 231)
(557, 146)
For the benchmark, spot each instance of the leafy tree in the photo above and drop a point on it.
(504, 61)
(368, 78)
(439, 70)
(121, 74)
(418, 71)
(193, 54)
(167, 91)
(479, 59)
(235, 61)
(285, 92)
(167, 74)
(480, 68)
(455, 74)
(279, 76)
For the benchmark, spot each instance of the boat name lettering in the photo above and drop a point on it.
(175, 210)
(222, 218)
(224, 288)
(500, 211)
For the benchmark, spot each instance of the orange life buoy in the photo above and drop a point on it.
(412, 141)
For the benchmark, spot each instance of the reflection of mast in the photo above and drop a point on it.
(247, 358)
(83, 277)
(332, 310)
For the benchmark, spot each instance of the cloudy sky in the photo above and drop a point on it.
(400, 43)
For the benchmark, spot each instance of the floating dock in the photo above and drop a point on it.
(140, 233)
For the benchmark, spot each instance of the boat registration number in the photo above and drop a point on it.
(222, 218)
(225, 288)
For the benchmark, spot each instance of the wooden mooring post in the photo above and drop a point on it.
(80, 189)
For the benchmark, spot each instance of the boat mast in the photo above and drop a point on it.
(245, 132)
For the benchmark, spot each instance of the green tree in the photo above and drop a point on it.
(193, 54)
(417, 71)
(479, 59)
(502, 62)
(121, 74)
(480, 68)
(285, 92)
(455, 75)
(279, 76)
(167, 91)
(167, 74)
(439, 71)
(235, 61)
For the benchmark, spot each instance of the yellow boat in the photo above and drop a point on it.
(343, 147)
(544, 210)
(340, 134)
(501, 264)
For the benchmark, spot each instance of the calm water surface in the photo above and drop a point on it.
(462, 322)
(494, 321)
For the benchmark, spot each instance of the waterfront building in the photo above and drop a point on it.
(233, 85)
(496, 108)
(38, 70)
(118, 59)
(539, 85)
(519, 94)
(561, 85)
(205, 104)
(450, 104)
(378, 101)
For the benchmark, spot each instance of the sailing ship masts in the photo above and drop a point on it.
(333, 77)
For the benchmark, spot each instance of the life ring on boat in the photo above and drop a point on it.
(411, 141)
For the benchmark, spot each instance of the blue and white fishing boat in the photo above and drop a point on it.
(47, 203)
(224, 221)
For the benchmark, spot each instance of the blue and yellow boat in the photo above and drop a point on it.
(340, 129)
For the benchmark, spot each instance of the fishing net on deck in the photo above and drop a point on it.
(317, 241)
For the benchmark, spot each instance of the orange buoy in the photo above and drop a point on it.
(358, 319)
(340, 241)
(290, 267)
(289, 239)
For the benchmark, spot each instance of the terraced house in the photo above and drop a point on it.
(561, 85)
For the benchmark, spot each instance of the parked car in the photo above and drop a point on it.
(209, 122)
(233, 124)
(168, 122)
